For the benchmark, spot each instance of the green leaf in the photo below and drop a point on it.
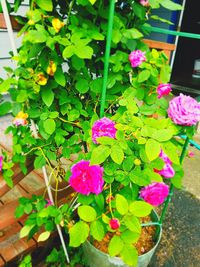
(84, 52)
(132, 34)
(152, 149)
(117, 154)
(39, 162)
(49, 126)
(60, 76)
(47, 96)
(105, 140)
(5, 107)
(133, 224)
(87, 213)
(5, 85)
(170, 5)
(165, 73)
(97, 230)
(143, 76)
(121, 204)
(92, 1)
(46, 5)
(130, 237)
(34, 36)
(25, 230)
(68, 51)
(163, 135)
(140, 208)
(82, 86)
(129, 255)
(43, 236)
(78, 234)
(99, 154)
(115, 246)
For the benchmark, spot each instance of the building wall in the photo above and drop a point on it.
(5, 46)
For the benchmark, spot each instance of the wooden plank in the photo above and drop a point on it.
(2, 262)
(159, 45)
(16, 192)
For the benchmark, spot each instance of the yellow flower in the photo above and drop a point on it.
(20, 119)
(41, 79)
(51, 69)
(57, 24)
(137, 162)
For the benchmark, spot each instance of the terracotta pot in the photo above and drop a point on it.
(15, 25)
(95, 257)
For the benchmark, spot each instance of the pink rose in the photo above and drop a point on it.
(103, 127)
(155, 193)
(167, 171)
(184, 110)
(144, 2)
(163, 89)
(1, 162)
(191, 154)
(86, 179)
(136, 58)
(114, 223)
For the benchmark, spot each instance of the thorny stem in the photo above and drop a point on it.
(110, 208)
(70, 9)
(74, 123)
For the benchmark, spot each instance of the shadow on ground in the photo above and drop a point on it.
(180, 243)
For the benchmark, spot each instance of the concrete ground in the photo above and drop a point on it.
(180, 243)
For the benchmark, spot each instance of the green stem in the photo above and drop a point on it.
(107, 56)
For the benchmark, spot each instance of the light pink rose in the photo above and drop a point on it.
(103, 127)
(163, 89)
(144, 2)
(155, 193)
(1, 162)
(167, 171)
(184, 110)
(136, 58)
(86, 179)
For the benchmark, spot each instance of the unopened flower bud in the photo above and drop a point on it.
(114, 223)
(137, 162)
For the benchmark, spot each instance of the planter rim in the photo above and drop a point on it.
(140, 256)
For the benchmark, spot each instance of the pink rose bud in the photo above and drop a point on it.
(144, 2)
(191, 154)
(114, 223)
(163, 89)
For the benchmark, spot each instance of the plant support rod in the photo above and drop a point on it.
(107, 56)
(170, 32)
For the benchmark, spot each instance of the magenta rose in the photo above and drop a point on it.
(86, 179)
(103, 127)
(136, 58)
(1, 162)
(144, 2)
(155, 193)
(167, 171)
(114, 223)
(184, 110)
(163, 89)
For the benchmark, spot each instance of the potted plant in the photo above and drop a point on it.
(124, 141)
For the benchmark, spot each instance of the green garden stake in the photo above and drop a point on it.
(107, 56)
